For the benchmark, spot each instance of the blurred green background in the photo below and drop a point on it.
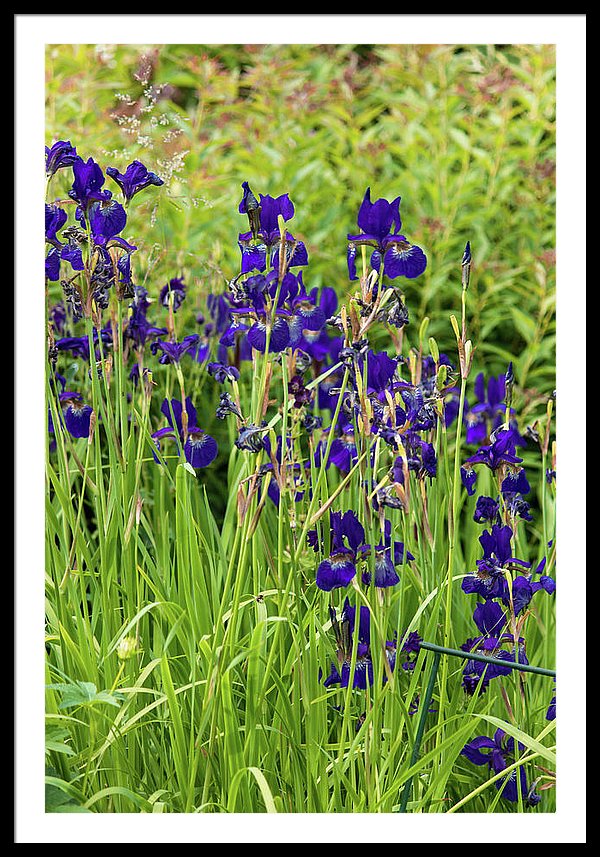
(465, 134)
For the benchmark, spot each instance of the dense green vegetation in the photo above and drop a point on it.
(186, 639)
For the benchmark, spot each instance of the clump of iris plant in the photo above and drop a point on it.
(90, 256)
(505, 582)
(372, 413)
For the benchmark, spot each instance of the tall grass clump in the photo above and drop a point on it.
(300, 534)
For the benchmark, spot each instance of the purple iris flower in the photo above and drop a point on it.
(76, 413)
(270, 209)
(201, 352)
(297, 314)
(172, 350)
(489, 412)
(347, 546)
(55, 217)
(107, 218)
(138, 327)
(487, 510)
(477, 674)
(419, 412)
(381, 369)
(377, 220)
(344, 630)
(199, 448)
(500, 450)
(315, 341)
(421, 458)
(363, 671)
(125, 277)
(58, 316)
(489, 577)
(515, 483)
(135, 178)
(343, 453)
(498, 753)
(222, 373)
(72, 254)
(263, 217)
(483, 417)
(88, 179)
(514, 486)
(545, 582)
(307, 314)
(52, 265)
(296, 253)
(60, 154)
(291, 475)
(173, 409)
(218, 307)
(347, 539)
(489, 618)
(551, 712)
(524, 587)
(298, 391)
(385, 572)
(469, 479)
(279, 339)
(79, 346)
(175, 288)
(388, 555)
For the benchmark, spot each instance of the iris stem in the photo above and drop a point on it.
(452, 515)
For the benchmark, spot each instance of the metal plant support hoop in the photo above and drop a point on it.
(457, 653)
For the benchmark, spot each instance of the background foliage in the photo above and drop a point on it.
(465, 134)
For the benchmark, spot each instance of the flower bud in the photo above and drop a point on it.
(434, 350)
(127, 648)
(455, 327)
(442, 377)
(466, 266)
(509, 380)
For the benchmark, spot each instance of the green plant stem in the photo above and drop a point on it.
(424, 705)
(452, 531)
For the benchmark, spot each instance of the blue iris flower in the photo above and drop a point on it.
(489, 578)
(135, 178)
(199, 448)
(498, 753)
(500, 450)
(263, 215)
(61, 154)
(381, 224)
(344, 629)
